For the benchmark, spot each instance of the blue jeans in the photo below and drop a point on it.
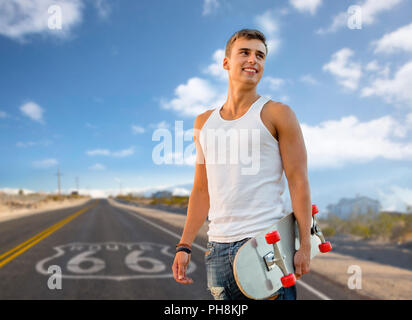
(220, 279)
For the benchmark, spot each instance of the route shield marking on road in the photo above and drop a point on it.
(112, 261)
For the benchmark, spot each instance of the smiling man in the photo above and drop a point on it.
(240, 205)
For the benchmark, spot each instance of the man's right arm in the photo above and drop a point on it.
(198, 207)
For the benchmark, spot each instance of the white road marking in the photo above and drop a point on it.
(313, 290)
(300, 282)
(85, 265)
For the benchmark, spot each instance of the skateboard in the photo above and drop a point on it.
(265, 263)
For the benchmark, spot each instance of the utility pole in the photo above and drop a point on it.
(58, 174)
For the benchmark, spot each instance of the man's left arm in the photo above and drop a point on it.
(294, 159)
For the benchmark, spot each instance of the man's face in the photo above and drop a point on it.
(247, 61)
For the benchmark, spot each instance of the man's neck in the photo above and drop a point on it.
(239, 101)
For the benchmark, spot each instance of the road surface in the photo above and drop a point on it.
(99, 251)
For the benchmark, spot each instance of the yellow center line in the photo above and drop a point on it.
(31, 239)
(40, 236)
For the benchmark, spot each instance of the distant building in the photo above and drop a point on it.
(162, 194)
(358, 206)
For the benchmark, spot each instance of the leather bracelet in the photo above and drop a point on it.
(187, 250)
(184, 245)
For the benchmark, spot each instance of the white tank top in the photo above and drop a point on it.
(245, 175)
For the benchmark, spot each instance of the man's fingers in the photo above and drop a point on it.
(179, 270)
(182, 270)
(305, 270)
(298, 270)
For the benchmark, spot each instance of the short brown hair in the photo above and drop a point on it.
(245, 33)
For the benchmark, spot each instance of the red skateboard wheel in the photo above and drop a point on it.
(272, 237)
(289, 280)
(315, 209)
(325, 247)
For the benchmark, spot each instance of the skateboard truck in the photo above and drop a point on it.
(275, 258)
(325, 246)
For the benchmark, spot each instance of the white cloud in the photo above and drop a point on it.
(209, 6)
(272, 82)
(45, 163)
(370, 9)
(20, 18)
(194, 97)
(398, 40)
(146, 191)
(395, 90)
(33, 111)
(215, 69)
(269, 25)
(396, 199)
(123, 153)
(309, 79)
(374, 69)
(3, 114)
(347, 73)
(90, 126)
(181, 192)
(137, 129)
(409, 119)
(27, 144)
(98, 152)
(105, 152)
(160, 125)
(337, 143)
(284, 99)
(103, 8)
(306, 5)
(97, 167)
(372, 66)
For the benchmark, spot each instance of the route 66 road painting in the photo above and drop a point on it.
(112, 261)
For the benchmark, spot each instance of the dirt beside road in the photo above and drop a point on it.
(7, 214)
(373, 279)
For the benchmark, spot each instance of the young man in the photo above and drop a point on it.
(241, 204)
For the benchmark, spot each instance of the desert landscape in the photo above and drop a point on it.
(18, 205)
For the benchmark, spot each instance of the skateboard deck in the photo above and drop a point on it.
(265, 263)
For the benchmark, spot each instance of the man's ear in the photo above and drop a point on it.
(226, 63)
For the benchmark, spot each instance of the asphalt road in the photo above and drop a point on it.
(104, 252)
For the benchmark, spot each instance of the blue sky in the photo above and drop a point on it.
(88, 97)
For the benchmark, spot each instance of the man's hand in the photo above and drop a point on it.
(302, 261)
(179, 267)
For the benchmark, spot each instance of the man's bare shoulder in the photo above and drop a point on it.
(278, 113)
(202, 118)
(277, 107)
